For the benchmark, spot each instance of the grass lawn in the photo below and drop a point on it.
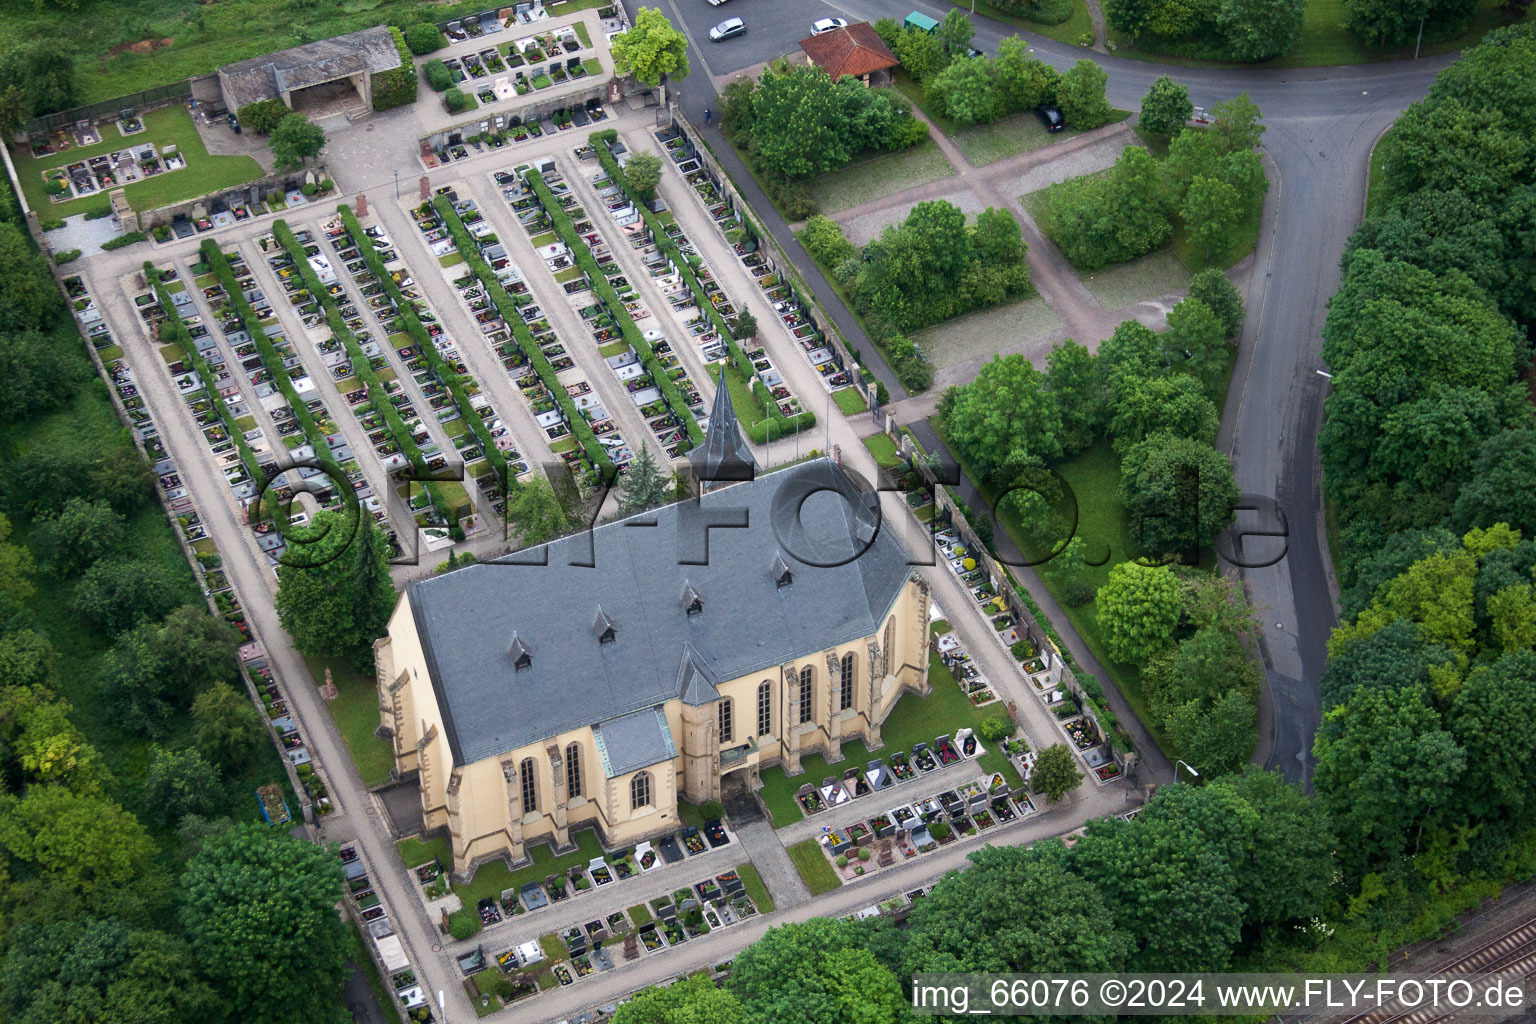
(616, 348)
(640, 914)
(850, 401)
(879, 176)
(1323, 41)
(883, 449)
(914, 719)
(169, 125)
(1068, 31)
(415, 852)
(748, 409)
(452, 259)
(356, 712)
(492, 878)
(815, 872)
(690, 814)
(981, 334)
(753, 883)
(1008, 136)
(1124, 284)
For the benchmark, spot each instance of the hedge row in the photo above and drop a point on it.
(605, 291)
(182, 338)
(784, 425)
(121, 240)
(597, 455)
(273, 361)
(378, 398)
(397, 86)
(418, 332)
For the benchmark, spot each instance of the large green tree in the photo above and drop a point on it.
(814, 972)
(1005, 419)
(253, 890)
(690, 1001)
(1138, 610)
(1076, 387)
(1196, 343)
(335, 599)
(1259, 29)
(643, 487)
(78, 842)
(114, 594)
(295, 141)
(226, 725)
(1211, 211)
(1493, 719)
(1055, 773)
(1081, 95)
(1178, 492)
(31, 298)
(643, 174)
(82, 532)
(966, 90)
(652, 50)
(1211, 287)
(538, 514)
(1175, 405)
(1166, 107)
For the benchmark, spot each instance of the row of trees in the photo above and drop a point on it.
(1236, 30)
(1211, 182)
(1190, 884)
(295, 138)
(794, 122)
(926, 269)
(37, 77)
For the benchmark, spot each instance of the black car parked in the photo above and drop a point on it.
(1050, 117)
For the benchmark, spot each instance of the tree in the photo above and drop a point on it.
(1385, 771)
(15, 567)
(1223, 731)
(25, 656)
(643, 487)
(920, 53)
(1493, 718)
(226, 725)
(1178, 492)
(296, 140)
(37, 374)
(44, 72)
(643, 174)
(180, 782)
(1166, 107)
(1501, 488)
(652, 50)
(253, 888)
(116, 595)
(1131, 16)
(1284, 834)
(1020, 81)
(1235, 123)
(538, 513)
(1196, 343)
(1055, 773)
(156, 670)
(1175, 405)
(1133, 351)
(835, 980)
(1138, 610)
(331, 599)
(823, 238)
(263, 116)
(1211, 287)
(694, 1000)
(438, 75)
(80, 843)
(1075, 385)
(423, 38)
(954, 33)
(795, 124)
(1015, 908)
(966, 89)
(80, 534)
(1005, 419)
(1211, 211)
(1383, 23)
(1081, 96)
(31, 298)
(1259, 29)
(745, 326)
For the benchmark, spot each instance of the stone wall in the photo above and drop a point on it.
(149, 219)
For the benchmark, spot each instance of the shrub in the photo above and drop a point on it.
(842, 860)
(438, 75)
(308, 188)
(162, 232)
(997, 727)
(969, 563)
(712, 810)
(503, 986)
(130, 238)
(1049, 12)
(456, 100)
(397, 86)
(98, 212)
(1021, 650)
(939, 829)
(50, 225)
(863, 853)
(906, 132)
(423, 37)
(793, 198)
(825, 241)
(463, 923)
(262, 116)
(327, 185)
(66, 256)
(55, 187)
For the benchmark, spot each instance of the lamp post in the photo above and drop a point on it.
(1190, 769)
(397, 183)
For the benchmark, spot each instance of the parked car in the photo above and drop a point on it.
(716, 3)
(1050, 117)
(730, 28)
(828, 25)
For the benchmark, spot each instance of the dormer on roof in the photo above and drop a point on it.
(693, 604)
(604, 627)
(522, 657)
(782, 576)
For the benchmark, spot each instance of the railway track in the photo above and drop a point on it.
(1514, 952)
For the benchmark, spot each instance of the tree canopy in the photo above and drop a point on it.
(651, 50)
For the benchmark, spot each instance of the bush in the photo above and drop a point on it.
(50, 225)
(825, 241)
(863, 853)
(456, 100)
(969, 563)
(129, 239)
(906, 132)
(1075, 595)
(1048, 12)
(327, 185)
(438, 75)
(711, 810)
(997, 727)
(66, 256)
(162, 232)
(1021, 650)
(423, 37)
(793, 198)
(463, 923)
(842, 860)
(397, 86)
(55, 187)
(262, 116)
(308, 188)
(939, 830)
(504, 988)
(98, 212)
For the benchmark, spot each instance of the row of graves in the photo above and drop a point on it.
(422, 365)
(617, 938)
(878, 776)
(237, 205)
(338, 361)
(496, 131)
(897, 834)
(797, 316)
(111, 170)
(604, 320)
(373, 917)
(212, 411)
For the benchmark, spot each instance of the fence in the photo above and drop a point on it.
(138, 102)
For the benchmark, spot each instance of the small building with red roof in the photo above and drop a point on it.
(856, 50)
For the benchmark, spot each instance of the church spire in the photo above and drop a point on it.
(724, 457)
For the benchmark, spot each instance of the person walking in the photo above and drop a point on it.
(708, 116)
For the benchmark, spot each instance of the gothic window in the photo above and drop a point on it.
(845, 696)
(640, 791)
(573, 770)
(764, 708)
(530, 787)
(726, 717)
(807, 692)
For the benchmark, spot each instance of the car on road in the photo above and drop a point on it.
(730, 28)
(1050, 117)
(828, 25)
(716, 3)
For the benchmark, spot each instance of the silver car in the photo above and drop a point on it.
(730, 28)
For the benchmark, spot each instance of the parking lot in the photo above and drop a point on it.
(774, 27)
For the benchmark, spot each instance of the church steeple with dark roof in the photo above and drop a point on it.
(724, 457)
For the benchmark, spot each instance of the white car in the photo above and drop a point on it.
(716, 3)
(827, 25)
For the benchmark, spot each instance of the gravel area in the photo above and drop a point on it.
(978, 336)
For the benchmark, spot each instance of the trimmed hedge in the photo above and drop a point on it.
(273, 361)
(758, 432)
(122, 240)
(631, 334)
(418, 332)
(64, 256)
(397, 86)
(597, 456)
(377, 396)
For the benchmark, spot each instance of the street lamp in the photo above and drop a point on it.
(1190, 769)
(397, 183)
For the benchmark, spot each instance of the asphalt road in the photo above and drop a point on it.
(1321, 124)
